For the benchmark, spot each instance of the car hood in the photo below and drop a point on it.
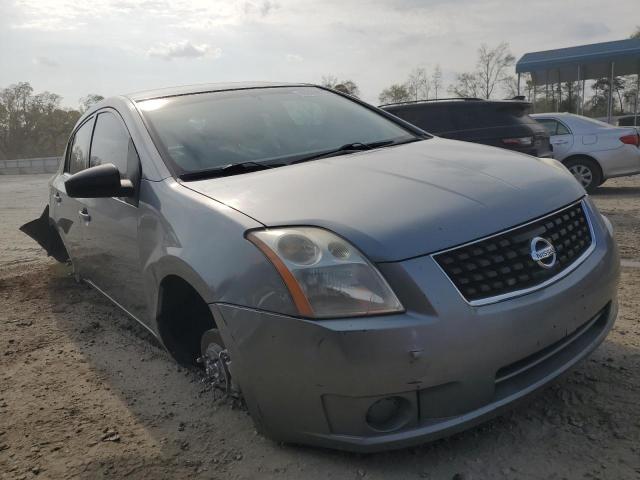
(404, 201)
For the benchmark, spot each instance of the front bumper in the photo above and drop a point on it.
(454, 365)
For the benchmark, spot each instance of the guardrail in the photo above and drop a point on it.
(29, 165)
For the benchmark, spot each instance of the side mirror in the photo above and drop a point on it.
(99, 182)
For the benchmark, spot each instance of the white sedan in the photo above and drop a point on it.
(592, 150)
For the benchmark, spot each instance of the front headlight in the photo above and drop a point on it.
(326, 276)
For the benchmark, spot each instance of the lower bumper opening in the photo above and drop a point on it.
(519, 374)
(436, 408)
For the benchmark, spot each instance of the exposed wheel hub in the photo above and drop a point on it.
(216, 362)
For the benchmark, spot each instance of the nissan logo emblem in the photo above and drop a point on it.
(543, 252)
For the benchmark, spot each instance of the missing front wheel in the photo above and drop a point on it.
(216, 361)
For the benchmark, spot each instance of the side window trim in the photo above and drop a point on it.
(116, 114)
(67, 153)
(72, 140)
(569, 132)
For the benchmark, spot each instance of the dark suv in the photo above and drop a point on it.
(499, 123)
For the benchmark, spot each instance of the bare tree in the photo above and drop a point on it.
(395, 94)
(436, 80)
(418, 84)
(636, 34)
(511, 86)
(329, 81)
(489, 74)
(467, 85)
(492, 64)
(345, 86)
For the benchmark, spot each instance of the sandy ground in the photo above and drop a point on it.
(85, 393)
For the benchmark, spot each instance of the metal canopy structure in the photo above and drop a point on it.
(584, 62)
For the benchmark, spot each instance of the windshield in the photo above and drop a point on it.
(280, 125)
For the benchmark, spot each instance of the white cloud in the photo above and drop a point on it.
(293, 58)
(261, 8)
(183, 49)
(45, 62)
(115, 46)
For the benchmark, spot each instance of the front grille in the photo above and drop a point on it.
(500, 266)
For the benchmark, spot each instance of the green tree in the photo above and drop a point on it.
(600, 99)
(89, 100)
(396, 93)
(636, 34)
(570, 97)
(33, 125)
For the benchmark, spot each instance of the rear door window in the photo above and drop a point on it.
(493, 114)
(429, 117)
(562, 129)
(79, 154)
(439, 118)
(550, 125)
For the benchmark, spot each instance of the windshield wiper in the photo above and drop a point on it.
(346, 148)
(228, 170)
(353, 147)
(251, 166)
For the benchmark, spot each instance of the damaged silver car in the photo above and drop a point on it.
(362, 284)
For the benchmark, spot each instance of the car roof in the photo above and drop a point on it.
(453, 101)
(566, 116)
(579, 123)
(207, 87)
(554, 114)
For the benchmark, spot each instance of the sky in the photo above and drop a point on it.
(111, 47)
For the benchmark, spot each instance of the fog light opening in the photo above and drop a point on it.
(389, 414)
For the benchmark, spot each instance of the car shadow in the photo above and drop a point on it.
(617, 191)
(169, 425)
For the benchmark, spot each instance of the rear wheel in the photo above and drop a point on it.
(586, 171)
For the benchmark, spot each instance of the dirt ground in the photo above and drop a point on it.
(86, 393)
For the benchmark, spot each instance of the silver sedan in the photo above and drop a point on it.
(592, 150)
(361, 284)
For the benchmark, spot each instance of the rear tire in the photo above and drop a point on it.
(586, 171)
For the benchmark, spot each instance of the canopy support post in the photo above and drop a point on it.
(535, 88)
(580, 104)
(518, 84)
(559, 93)
(546, 90)
(635, 113)
(610, 103)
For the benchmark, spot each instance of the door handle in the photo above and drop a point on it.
(562, 142)
(84, 215)
(57, 197)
